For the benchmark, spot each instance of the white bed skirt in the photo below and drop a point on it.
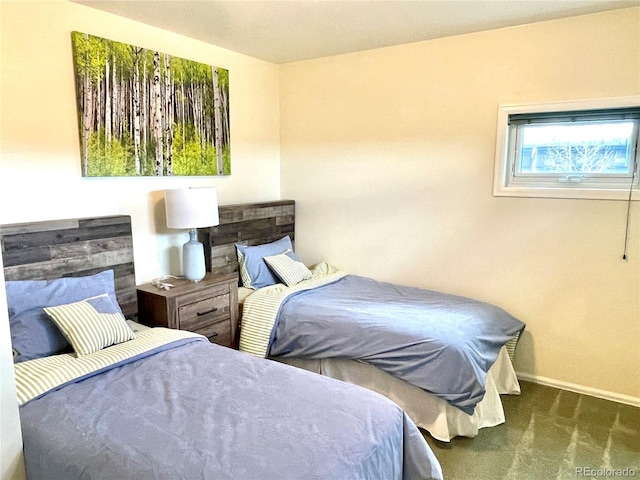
(427, 411)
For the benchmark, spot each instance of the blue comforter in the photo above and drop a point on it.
(442, 343)
(201, 411)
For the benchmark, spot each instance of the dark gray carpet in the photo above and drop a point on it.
(549, 434)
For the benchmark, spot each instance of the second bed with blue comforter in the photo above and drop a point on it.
(442, 343)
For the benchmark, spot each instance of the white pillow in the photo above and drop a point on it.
(91, 324)
(290, 271)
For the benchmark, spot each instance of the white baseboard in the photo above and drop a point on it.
(572, 387)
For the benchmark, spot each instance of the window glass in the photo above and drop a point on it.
(589, 148)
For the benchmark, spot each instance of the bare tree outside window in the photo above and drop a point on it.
(576, 148)
(584, 157)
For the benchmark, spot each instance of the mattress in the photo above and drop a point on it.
(427, 411)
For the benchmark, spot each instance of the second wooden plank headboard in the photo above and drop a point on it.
(249, 224)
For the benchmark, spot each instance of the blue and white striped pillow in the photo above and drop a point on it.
(91, 324)
(290, 271)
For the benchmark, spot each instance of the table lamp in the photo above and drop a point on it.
(192, 208)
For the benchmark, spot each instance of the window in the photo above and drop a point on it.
(571, 150)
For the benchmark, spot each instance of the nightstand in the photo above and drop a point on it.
(208, 307)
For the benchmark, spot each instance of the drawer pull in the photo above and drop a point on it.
(207, 312)
(211, 337)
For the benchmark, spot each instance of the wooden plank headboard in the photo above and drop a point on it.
(249, 224)
(72, 248)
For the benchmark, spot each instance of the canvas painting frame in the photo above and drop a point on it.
(146, 113)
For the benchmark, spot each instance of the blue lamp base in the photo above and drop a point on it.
(193, 267)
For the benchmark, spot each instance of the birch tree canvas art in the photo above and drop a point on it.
(143, 113)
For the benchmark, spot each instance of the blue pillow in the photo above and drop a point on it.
(254, 272)
(33, 333)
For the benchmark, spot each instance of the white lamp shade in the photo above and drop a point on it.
(191, 207)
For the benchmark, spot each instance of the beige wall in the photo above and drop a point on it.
(390, 154)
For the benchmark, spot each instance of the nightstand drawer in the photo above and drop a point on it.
(200, 314)
(219, 333)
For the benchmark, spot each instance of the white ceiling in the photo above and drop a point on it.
(282, 31)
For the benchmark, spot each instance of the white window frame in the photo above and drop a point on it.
(504, 184)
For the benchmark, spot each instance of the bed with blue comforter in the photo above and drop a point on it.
(440, 343)
(170, 405)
